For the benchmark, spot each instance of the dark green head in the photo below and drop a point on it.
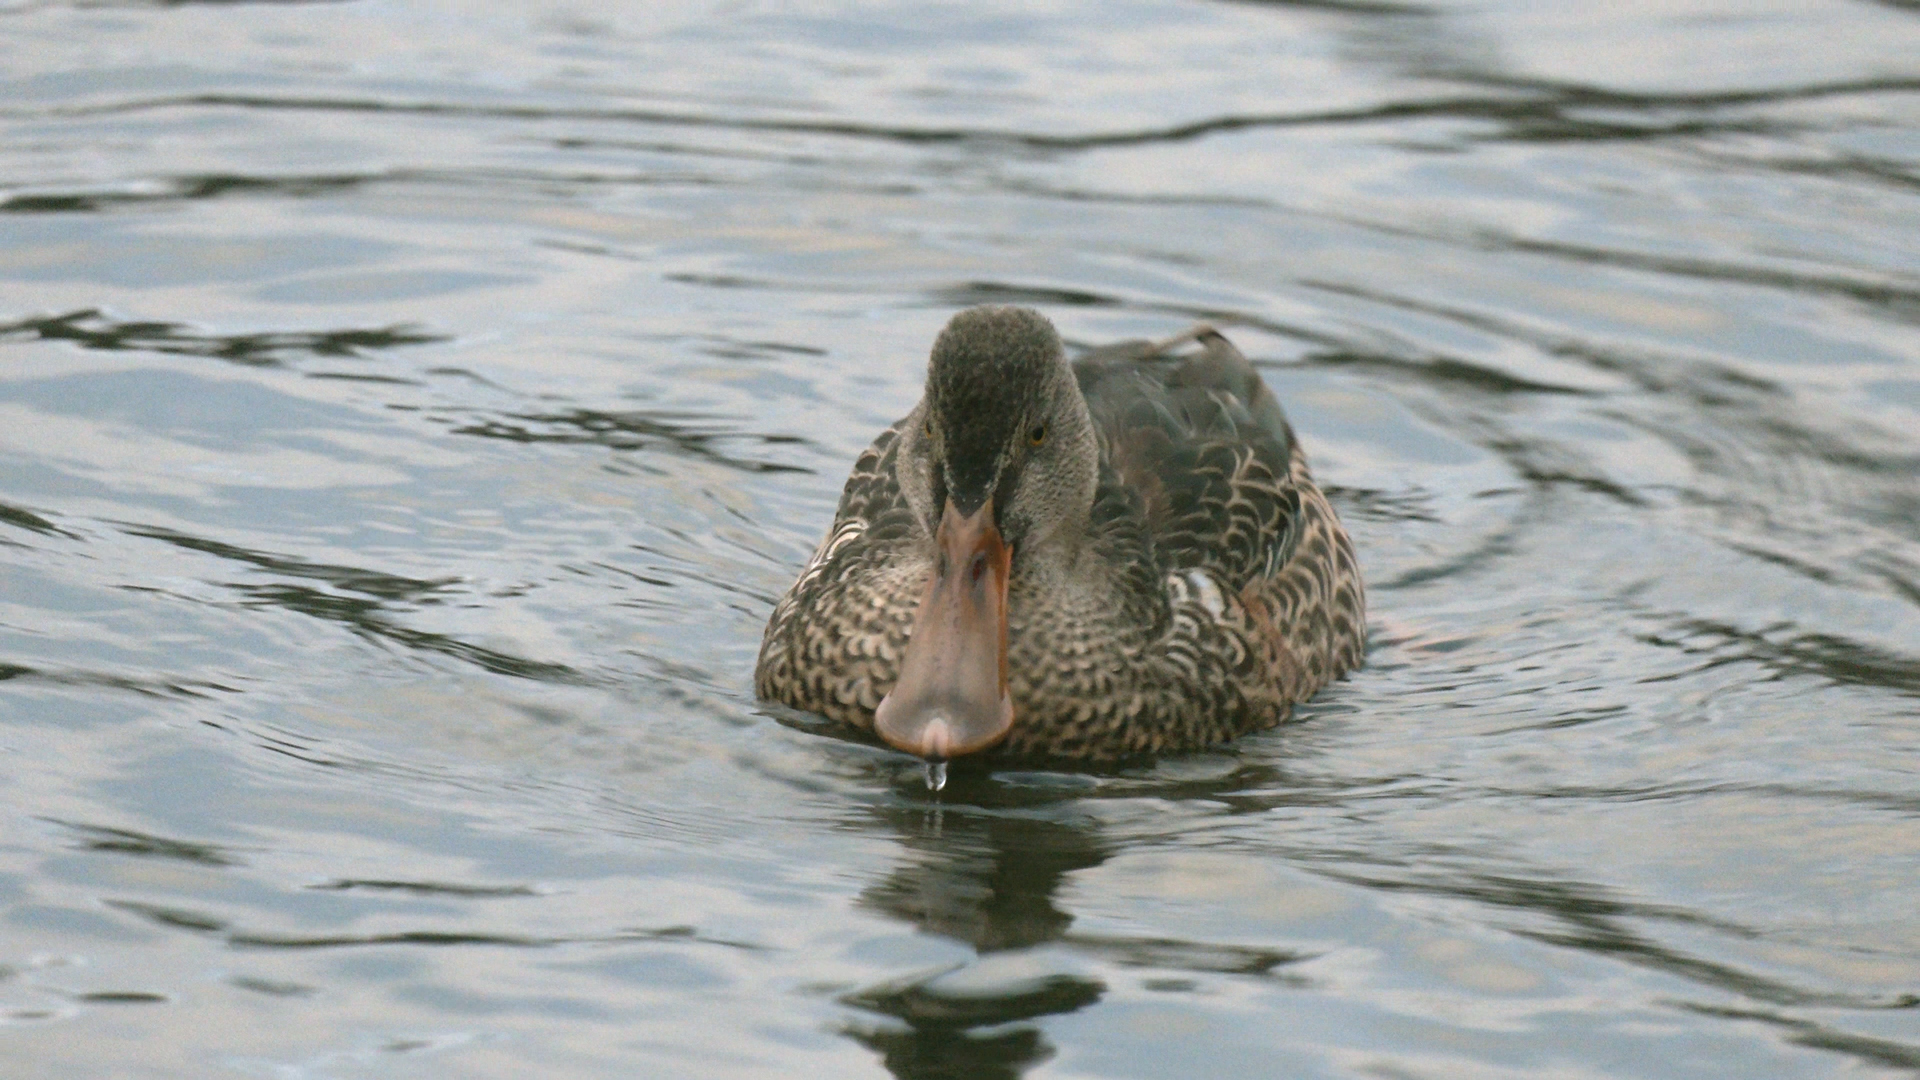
(999, 390)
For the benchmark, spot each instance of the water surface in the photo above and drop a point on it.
(410, 411)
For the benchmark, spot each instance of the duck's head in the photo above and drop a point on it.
(999, 463)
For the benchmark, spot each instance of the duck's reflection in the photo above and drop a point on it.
(985, 863)
(982, 866)
(982, 875)
(925, 1053)
(959, 1024)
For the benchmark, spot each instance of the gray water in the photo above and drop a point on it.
(409, 411)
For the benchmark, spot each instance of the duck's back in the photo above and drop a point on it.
(1226, 495)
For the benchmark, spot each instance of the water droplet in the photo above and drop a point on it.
(936, 775)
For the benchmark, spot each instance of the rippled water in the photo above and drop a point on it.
(409, 411)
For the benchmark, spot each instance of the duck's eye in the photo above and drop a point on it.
(1037, 434)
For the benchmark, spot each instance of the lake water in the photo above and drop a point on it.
(409, 411)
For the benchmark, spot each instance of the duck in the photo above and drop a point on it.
(1119, 556)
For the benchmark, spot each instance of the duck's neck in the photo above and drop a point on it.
(1086, 586)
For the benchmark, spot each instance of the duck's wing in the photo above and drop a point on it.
(871, 522)
(872, 494)
(832, 641)
(1204, 444)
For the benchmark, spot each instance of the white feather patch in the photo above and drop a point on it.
(1206, 592)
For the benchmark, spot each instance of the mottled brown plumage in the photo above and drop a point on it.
(1176, 578)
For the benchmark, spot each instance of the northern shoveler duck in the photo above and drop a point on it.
(1118, 556)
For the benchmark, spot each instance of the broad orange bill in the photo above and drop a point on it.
(952, 695)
